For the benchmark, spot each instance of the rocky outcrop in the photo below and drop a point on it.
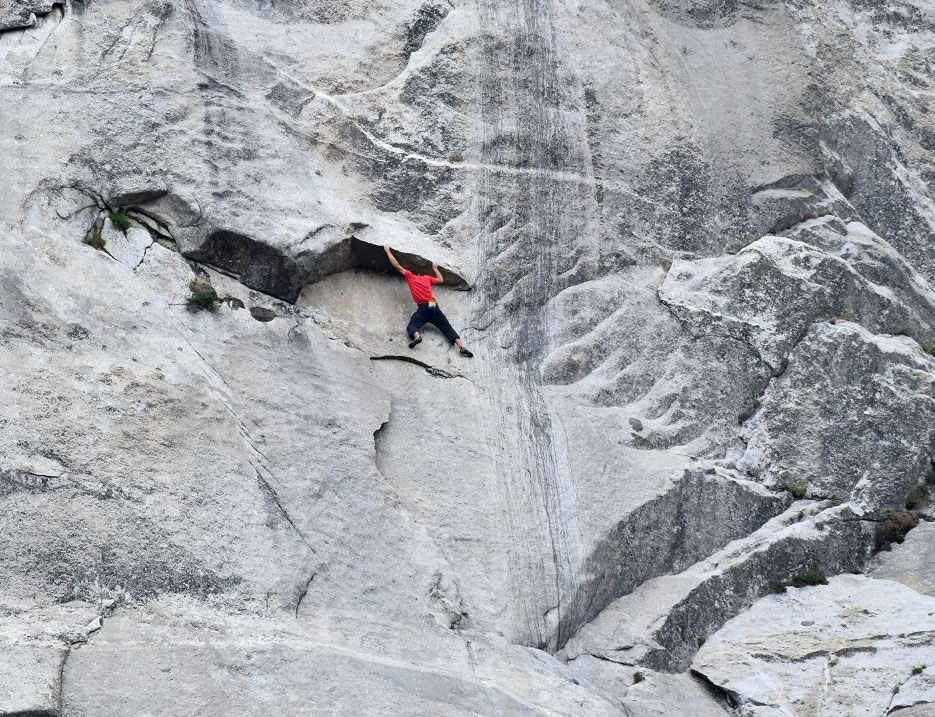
(663, 622)
(859, 645)
(20, 14)
(847, 376)
(695, 243)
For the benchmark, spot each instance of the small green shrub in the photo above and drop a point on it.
(811, 577)
(701, 639)
(96, 240)
(895, 689)
(802, 580)
(918, 669)
(798, 489)
(120, 220)
(203, 301)
(203, 297)
(638, 677)
(928, 348)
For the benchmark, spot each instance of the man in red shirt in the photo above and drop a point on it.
(428, 311)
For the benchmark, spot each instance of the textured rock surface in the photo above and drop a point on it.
(697, 242)
(850, 378)
(857, 646)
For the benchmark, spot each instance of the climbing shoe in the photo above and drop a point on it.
(415, 342)
(465, 351)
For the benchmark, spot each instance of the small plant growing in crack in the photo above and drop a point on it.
(203, 296)
(917, 670)
(812, 577)
(701, 640)
(120, 220)
(638, 677)
(809, 578)
(797, 489)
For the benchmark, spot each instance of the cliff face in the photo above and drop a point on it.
(690, 243)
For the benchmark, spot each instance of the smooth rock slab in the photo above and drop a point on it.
(847, 648)
(645, 693)
(182, 658)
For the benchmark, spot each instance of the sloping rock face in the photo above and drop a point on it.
(694, 243)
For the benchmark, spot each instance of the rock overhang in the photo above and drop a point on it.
(275, 264)
(283, 275)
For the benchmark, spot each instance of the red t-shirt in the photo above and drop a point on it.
(420, 286)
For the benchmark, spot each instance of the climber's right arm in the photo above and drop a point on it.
(396, 264)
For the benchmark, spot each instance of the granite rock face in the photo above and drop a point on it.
(858, 646)
(691, 245)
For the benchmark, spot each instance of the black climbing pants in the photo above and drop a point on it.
(428, 314)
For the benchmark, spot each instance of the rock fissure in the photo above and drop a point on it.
(274, 497)
(61, 681)
(143, 257)
(427, 20)
(775, 373)
(900, 708)
(40, 483)
(303, 592)
(429, 369)
(105, 610)
(153, 224)
(262, 461)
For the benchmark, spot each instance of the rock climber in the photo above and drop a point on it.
(428, 311)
